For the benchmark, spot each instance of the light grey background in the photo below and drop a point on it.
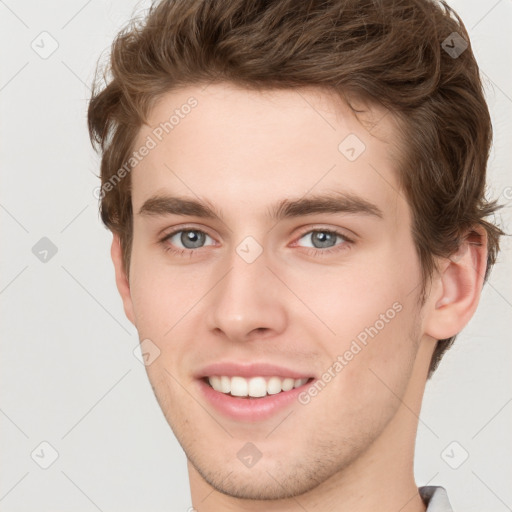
(69, 376)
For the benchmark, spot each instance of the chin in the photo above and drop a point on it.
(258, 483)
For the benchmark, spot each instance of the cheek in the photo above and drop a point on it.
(381, 367)
(372, 313)
(349, 300)
(160, 297)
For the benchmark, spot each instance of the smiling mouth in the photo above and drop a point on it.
(253, 387)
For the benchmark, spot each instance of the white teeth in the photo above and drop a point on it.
(215, 383)
(225, 385)
(239, 386)
(274, 386)
(287, 384)
(255, 387)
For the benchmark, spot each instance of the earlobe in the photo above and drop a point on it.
(122, 283)
(458, 288)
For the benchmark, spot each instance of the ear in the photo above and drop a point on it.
(123, 285)
(455, 296)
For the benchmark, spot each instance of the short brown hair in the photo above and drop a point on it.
(389, 52)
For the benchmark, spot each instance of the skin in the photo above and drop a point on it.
(351, 447)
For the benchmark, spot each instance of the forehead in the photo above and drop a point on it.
(236, 147)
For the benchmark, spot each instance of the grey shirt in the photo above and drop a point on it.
(435, 498)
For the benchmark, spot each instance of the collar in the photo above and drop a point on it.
(435, 498)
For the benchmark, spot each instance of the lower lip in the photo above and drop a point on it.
(250, 409)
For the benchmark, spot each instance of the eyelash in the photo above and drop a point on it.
(310, 250)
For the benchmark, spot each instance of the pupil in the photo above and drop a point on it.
(192, 239)
(323, 239)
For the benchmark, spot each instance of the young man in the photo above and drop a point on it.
(296, 194)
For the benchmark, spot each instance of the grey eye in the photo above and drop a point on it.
(322, 239)
(188, 239)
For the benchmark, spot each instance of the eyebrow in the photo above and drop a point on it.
(334, 202)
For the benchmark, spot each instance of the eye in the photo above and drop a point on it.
(318, 242)
(186, 239)
(324, 241)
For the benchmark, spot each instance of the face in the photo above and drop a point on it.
(272, 257)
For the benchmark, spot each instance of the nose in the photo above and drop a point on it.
(248, 302)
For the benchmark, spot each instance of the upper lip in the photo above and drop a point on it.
(247, 370)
